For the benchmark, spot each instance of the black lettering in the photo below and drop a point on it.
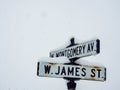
(77, 51)
(57, 54)
(63, 71)
(47, 69)
(69, 53)
(70, 70)
(92, 45)
(73, 51)
(88, 49)
(84, 73)
(65, 52)
(62, 53)
(51, 55)
(93, 72)
(58, 70)
(83, 48)
(98, 72)
(80, 49)
(77, 70)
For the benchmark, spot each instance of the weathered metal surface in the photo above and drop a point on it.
(81, 50)
(59, 70)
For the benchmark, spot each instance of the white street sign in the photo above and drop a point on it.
(59, 70)
(81, 50)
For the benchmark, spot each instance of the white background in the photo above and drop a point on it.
(30, 29)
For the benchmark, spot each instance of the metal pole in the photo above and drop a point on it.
(71, 84)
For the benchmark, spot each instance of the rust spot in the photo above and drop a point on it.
(96, 67)
(92, 78)
(53, 64)
(92, 75)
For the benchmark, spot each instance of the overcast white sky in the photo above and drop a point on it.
(30, 29)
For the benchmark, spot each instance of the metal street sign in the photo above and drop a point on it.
(59, 70)
(81, 50)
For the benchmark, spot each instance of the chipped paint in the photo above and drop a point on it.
(96, 67)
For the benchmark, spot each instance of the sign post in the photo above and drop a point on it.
(71, 85)
(73, 71)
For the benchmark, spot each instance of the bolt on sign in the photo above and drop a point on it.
(81, 50)
(61, 70)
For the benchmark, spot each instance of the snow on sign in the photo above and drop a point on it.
(81, 50)
(59, 70)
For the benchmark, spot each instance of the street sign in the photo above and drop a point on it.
(59, 70)
(81, 50)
